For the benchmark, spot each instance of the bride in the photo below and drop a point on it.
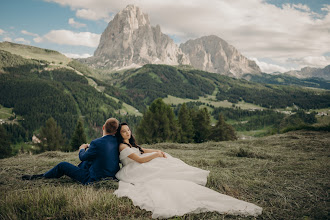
(166, 186)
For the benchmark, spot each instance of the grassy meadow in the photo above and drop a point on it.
(286, 174)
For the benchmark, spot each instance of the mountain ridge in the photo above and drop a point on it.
(129, 41)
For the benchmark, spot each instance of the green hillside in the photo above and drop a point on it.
(37, 92)
(145, 84)
(287, 175)
(36, 53)
(38, 89)
(283, 79)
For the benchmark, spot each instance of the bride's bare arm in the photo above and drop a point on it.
(153, 150)
(145, 159)
(139, 159)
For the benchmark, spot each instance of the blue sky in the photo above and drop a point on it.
(278, 34)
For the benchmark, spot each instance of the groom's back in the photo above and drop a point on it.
(106, 163)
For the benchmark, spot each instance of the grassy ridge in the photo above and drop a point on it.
(285, 174)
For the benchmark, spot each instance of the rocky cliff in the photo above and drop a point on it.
(213, 54)
(308, 72)
(130, 41)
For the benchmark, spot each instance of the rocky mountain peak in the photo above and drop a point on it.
(130, 41)
(213, 54)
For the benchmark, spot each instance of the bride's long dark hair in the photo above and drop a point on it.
(131, 140)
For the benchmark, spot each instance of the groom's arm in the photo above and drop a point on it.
(89, 154)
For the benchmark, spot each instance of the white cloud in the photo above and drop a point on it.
(301, 7)
(66, 37)
(312, 61)
(22, 40)
(91, 14)
(255, 27)
(73, 55)
(38, 39)
(7, 39)
(29, 33)
(2, 32)
(270, 68)
(76, 24)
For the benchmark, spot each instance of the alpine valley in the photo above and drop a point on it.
(134, 64)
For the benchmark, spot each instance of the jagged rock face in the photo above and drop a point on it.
(130, 41)
(213, 54)
(308, 72)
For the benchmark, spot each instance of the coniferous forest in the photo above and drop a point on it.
(44, 95)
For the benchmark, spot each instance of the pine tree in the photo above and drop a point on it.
(51, 136)
(222, 131)
(202, 126)
(158, 124)
(78, 137)
(186, 125)
(5, 148)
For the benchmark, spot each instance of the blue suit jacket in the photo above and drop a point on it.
(103, 154)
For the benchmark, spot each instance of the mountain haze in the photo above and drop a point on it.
(130, 41)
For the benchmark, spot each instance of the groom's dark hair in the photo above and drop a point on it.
(111, 125)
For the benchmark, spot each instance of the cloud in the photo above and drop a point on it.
(22, 40)
(72, 55)
(270, 68)
(76, 24)
(2, 31)
(38, 39)
(29, 33)
(7, 39)
(66, 37)
(256, 28)
(312, 61)
(91, 14)
(301, 7)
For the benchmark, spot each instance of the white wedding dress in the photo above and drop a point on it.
(169, 187)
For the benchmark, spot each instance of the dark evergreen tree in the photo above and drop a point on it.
(78, 137)
(158, 124)
(186, 125)
(5, 148)
(222, 131)
(51, 136)
(202, 125)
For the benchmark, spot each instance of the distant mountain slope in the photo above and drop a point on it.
(145, 84)
(309, 72)
(213, 54)
(283, 79)
(130, 41)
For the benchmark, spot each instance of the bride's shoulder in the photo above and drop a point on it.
(122, 146)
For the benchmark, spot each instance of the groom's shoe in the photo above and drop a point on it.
(32, 177)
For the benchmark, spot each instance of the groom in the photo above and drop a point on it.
(102, 156)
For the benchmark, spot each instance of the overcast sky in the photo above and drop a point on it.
(279, 35)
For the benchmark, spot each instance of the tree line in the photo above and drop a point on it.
(159, 124)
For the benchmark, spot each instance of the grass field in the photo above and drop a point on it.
(210, 99)
(5, 113)
(31, 52)
(287, 175)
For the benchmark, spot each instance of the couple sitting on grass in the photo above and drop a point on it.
(153, 180)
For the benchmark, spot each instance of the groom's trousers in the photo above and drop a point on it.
(65, 168)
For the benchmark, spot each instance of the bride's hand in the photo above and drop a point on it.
(161, 154)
